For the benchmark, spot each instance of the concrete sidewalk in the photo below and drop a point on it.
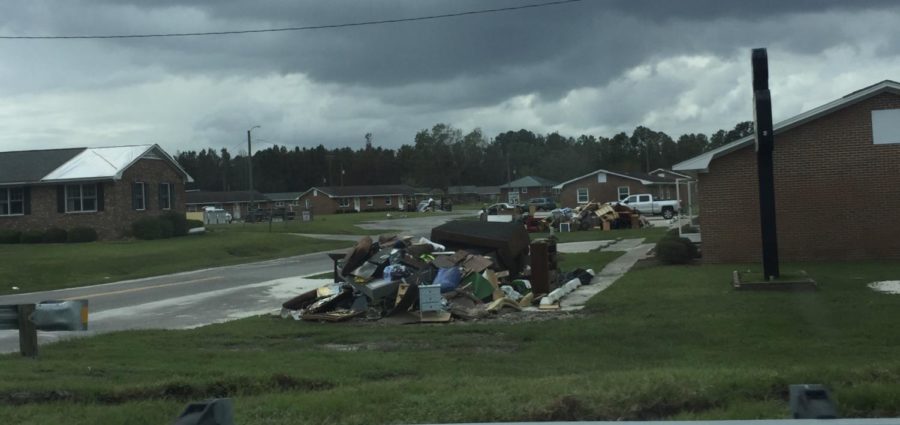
(606, 277)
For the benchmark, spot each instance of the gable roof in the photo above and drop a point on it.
(529, 181)
(663, 170)
(700, 163)
(375, 190)
(31, 166)
(226, 197)
(77, 164)
(644, 178)
(283, 196)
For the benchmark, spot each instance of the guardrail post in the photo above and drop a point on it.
(28, 342)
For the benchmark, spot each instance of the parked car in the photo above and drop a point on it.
(542, 204)
(501, 207)
(645, 204)
(219, 212)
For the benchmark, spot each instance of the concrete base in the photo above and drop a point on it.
(788, 285)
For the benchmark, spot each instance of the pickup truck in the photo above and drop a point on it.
(645, 204)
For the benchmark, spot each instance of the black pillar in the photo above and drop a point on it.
(765, 144)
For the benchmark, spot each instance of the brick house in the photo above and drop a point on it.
(236, 202)
(336, 199)
(289, 201)
(612, 186)
(837, 185)
(106, 189)
(525, 188)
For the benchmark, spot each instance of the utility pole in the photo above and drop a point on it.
(250, 166)
(765, 145)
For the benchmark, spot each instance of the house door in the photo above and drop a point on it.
(401, 202)
(356, 204)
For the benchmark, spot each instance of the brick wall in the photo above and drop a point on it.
(609, 191)
(117, 215)
(836, 193)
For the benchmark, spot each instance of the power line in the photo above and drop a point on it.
(285, 29)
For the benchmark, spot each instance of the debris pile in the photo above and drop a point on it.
(465, 271)
(591, 215)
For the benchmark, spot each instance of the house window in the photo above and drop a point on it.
(557, 191)
(387, 200)
(523, 189)
(81, 197)
(295, 203)
(344, 202)
(601, 177)
(12, 201)
(886, 126)
(138, 196)
(279, 203)
(165, 196)
(306, 203)
(624, 191)
(370, 201)
(582, 195)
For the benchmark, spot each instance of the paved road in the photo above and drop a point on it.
(200, 297)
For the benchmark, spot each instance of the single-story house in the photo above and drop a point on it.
(106, 189)
(236, 202)
(613, 186)
(837, 184)
(525, 188)
(461, 194)
(334, 199)
(290, 201)
(488, 193)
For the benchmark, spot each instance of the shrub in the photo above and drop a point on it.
(82, 234)
(693, 251)
(672, 251)
(166, 228)
(192, 224)
(178, 221)
(147, 228)
(55, 235)
(10, 236)
(31, 236)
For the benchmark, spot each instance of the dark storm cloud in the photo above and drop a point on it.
(569, 63)
(548, 50)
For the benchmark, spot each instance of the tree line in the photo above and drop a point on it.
(445, 156)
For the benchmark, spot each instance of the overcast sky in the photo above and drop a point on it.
(593, 67)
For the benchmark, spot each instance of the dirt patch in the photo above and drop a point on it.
(573, 408)
(566, 408)
(387, 375)
(26, 397)
(178, 390)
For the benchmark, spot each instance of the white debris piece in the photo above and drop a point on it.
(886, 286)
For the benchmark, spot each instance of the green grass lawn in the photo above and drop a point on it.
(53, 266)
(650, 235)
(663, 342)
(333, 224)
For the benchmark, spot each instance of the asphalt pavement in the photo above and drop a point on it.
(201, 297)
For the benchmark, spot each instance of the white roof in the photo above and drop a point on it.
(107, 163)
(701, 162)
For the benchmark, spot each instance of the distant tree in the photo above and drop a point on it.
(722, 137)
